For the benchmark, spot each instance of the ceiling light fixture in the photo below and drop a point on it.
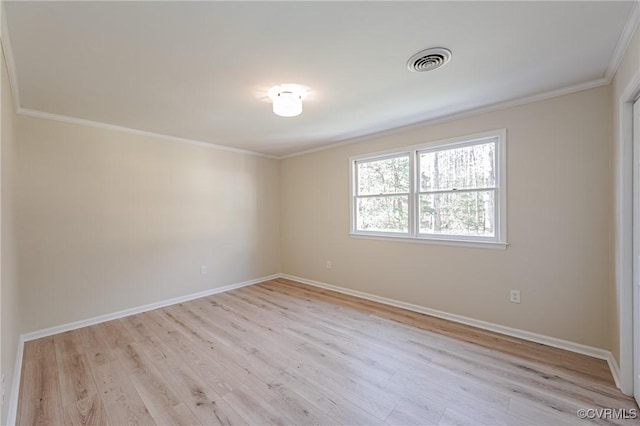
(287, 99)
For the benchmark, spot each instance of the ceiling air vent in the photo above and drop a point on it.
(429, 59)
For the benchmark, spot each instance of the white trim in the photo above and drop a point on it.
(349, 139)
(7, 52)
(614, 63)
(497, 328)
(12, 407)
(635, 120)
(615, 370)
(456, 141)
(497, 136)
(139, 309)
(5, 39)
(99, 125)
(13, 80)
(472, 112)
(633, 23)
(522, 334)
(435, 241)
(623, 42)
(624, 232)
(15, 387)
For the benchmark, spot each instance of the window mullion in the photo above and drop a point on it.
(496, 215)
(412, 190)
(355, 188)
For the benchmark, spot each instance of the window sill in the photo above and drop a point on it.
(437, 241)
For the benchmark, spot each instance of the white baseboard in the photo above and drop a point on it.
(15, 385)
(615, 370)
(139, 309)
(522, 334)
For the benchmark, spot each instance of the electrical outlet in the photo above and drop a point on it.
(515, 296)
(328, 264)
(203, 270)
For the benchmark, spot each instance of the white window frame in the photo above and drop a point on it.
(499, 240)
(409, 195)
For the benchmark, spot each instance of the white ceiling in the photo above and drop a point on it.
(200, 70)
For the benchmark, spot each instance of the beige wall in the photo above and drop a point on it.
(9, 297)
(559, 209)
(109, 220)
(628, 69)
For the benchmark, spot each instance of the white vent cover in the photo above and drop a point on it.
(429, 59)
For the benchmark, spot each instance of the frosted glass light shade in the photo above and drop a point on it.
(287, 99)
(287, 104)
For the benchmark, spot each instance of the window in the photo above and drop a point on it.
(382, 203)
(448, 191)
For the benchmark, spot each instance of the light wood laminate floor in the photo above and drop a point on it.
(285, 353)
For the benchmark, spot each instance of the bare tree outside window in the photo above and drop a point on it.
(383, 195)
(457, 191)
(453, 190)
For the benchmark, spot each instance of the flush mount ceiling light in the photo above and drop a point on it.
(287, 99)
(429, 59)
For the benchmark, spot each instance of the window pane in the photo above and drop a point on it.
(459, 168)
(386, 214)
(459, 213)
(383, 176)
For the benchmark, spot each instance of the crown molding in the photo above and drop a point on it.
(415, 126)
(7, 51)
(5, 40)
(99, 125)
(633, 22)
(623, 41)
(472, 112)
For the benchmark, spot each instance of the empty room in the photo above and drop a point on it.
(320, 212)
